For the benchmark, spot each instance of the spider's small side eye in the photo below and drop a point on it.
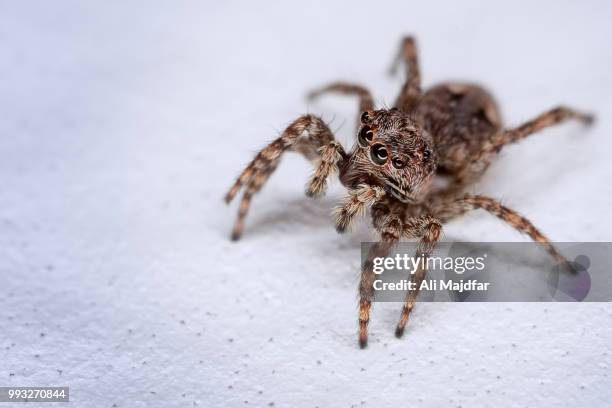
(365, 117)
(426, 154)
(398, 163)
(379, 154)
(365, 136)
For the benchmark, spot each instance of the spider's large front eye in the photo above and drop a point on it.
(365, 136)
(379, 154)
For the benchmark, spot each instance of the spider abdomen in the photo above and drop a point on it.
(461, 118)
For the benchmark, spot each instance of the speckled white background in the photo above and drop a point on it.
(122, 125)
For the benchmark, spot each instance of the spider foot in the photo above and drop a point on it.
(235, 235)
(587, 119)
(316, 187)
(363, 342)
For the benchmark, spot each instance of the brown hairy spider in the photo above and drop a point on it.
(452, 131)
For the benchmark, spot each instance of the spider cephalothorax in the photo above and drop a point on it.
(453, 130)
(393, 152)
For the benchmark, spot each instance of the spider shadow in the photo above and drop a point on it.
(304, 215)
(289, 213)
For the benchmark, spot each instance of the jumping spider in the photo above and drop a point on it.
(451, 131)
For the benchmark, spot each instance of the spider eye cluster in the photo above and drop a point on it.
(378, 151)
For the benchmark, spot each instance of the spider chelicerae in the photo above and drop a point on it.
(452, 131)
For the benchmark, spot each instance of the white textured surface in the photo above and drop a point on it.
(121, 126)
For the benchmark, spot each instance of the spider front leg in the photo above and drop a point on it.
(355, 204)
(330, 156)
(390, 228)
(427, 229)
(308, 135)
